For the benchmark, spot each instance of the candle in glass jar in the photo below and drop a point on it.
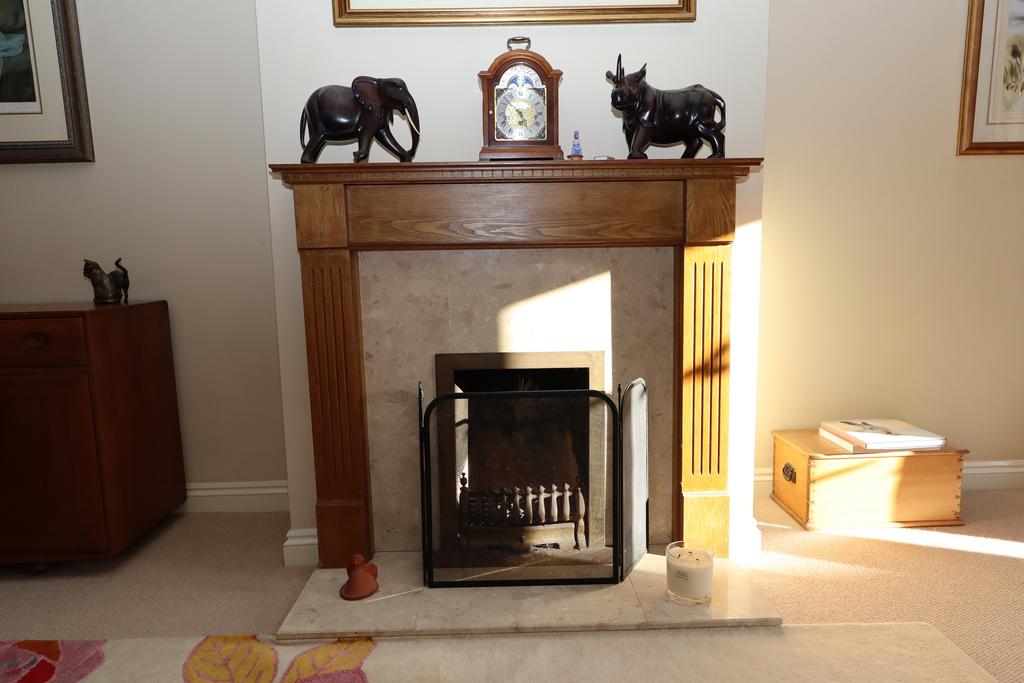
(689, 571)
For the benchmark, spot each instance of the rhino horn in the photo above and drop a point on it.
(618, 70)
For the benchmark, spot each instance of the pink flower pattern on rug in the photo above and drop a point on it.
(42, 661)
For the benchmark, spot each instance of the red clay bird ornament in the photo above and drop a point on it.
(362, 579)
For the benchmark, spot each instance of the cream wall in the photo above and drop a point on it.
(301, 50)
(891, 276)
(178, 191)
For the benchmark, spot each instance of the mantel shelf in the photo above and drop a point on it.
(498, 171)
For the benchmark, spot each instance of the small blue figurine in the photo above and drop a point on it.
(577, 148)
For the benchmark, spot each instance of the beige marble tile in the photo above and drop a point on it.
(525, 300)
(404, 298)
(735, 600)
(510, 609)
(417, 304)
(642, 318)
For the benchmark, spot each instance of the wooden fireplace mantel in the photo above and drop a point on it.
(342, 209)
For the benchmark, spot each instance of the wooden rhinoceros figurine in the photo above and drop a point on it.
(666, 117)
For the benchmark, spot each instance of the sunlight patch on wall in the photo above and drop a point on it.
(575, 317)
(746, 296)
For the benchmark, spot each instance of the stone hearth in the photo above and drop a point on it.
(403, 607)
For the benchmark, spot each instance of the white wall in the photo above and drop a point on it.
(301, 50)
(178, 191)
(892, 282)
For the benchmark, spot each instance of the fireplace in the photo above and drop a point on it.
(343, 210)
(519, 453)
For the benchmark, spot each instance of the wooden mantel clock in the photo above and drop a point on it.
(520, 106)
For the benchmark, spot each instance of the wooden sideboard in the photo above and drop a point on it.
(89, 437)
(342, 209)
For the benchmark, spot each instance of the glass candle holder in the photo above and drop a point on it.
(689, 570)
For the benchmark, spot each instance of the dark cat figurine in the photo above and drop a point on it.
(107, 287)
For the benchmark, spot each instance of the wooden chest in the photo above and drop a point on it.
(823, 486)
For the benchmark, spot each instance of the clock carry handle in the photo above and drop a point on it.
(518, 39)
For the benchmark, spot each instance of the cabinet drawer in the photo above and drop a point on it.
(41, 342)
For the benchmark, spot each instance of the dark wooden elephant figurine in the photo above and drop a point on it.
(666, 117)
(363, 112)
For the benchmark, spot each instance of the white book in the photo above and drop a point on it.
(883, 434)
(850, 448)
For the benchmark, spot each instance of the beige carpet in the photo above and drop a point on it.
(971, 588)
(194, 574)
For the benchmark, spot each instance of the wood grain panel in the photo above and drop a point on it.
(320, 216)
(495, 214)
(863, 491)
(51, 500)
(705, 283)
(139, 438)
(337, 403)
(706, 521)
(710, 211)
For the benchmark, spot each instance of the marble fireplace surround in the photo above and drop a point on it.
(684, 206)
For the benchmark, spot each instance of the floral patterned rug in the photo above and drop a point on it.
(228, 659)
(813, 652)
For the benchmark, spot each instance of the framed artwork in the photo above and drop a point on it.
(44, 112)
(992, 100)
(495, 12)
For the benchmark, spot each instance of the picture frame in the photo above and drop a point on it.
(502, 12)
(45, 116)
(992, 95)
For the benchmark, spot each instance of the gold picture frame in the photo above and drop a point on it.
(369, 14)
(56, 126)
(982, 80)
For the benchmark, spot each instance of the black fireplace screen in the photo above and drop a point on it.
(533, 487)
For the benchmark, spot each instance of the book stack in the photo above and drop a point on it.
(879, 434)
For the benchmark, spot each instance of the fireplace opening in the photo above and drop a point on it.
(536, 450)
(522, 471)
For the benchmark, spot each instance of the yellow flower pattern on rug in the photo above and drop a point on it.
(337, 662)
(230, 659)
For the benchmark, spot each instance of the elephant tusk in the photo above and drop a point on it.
(413, 125)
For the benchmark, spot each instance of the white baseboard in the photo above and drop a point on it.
(300, 548)
(988, 475)
(979, 475)
(236, 496)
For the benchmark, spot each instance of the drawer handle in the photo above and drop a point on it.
(35, 341)
(789, 473)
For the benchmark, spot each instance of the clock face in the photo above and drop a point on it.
(520, 105)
